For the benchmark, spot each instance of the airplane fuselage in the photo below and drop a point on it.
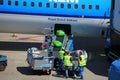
(85, 17)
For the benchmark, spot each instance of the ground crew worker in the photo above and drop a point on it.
(81, 64)
(67, 63)
(61, 55)
(84, 53)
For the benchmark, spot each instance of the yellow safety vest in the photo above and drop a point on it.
(82, 61)
(67, 61)
(61, 54)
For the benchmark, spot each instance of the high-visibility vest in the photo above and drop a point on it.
(82, 61)
(61, 54)
(67, 61)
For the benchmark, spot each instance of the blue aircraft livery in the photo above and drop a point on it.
(66, 8)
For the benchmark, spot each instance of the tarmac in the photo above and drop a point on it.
(15, 47)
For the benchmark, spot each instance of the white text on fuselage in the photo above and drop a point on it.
(62, 19)
(68, 1)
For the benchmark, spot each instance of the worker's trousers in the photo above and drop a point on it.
(66, 72)
(60, 64)
(81, 72)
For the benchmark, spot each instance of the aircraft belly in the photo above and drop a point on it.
(41, 24)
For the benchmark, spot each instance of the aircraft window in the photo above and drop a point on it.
(24, 3)
(9, 2)
(16, 3)
(62, 5)
(83, 6)
(90, 6)
(47, 4)
(1, 2)
(76, 6)
(32, 4)
(97, 7)
(69, 6)
(40, 4)
(55, 5)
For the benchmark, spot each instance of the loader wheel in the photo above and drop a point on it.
(2, 67)
(49, 72)
(56, 63)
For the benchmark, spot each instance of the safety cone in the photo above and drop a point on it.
(14, 35)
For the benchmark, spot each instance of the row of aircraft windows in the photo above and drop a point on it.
(55, 5)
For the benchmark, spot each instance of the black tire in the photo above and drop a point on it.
(2, 67)
(56, 63)
(106, 50)
(109, 59)
(49, 72)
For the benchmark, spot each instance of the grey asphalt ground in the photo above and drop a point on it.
(17, 69)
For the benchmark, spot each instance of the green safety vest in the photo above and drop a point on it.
(67, 61)
(82, 61)
(61, 54)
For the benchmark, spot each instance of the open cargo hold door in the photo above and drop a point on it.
(65, 27)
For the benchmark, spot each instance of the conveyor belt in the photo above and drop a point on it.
(60, 39)
(57, 49)
(64, 40)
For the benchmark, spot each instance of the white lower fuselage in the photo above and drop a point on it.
(32, 24)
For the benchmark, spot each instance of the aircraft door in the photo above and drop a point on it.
(65, 27)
